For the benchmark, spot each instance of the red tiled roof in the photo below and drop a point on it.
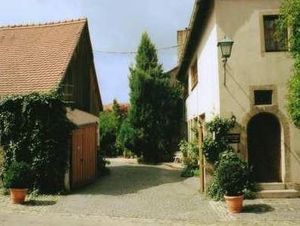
(123, 106)
(34, 58)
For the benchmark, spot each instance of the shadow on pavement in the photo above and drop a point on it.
(257, 208)
(131, 179)
(39, 203)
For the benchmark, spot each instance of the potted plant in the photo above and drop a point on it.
(17, 178)
(233, 176)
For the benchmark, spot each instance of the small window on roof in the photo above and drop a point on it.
(263, 97)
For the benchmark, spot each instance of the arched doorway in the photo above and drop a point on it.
(264, 147)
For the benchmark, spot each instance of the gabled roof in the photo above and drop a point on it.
(34, 58)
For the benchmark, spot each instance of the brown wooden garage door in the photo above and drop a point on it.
(84, 155)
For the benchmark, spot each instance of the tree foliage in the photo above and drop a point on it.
(108, 133)
(110, 124)
(290, 18)
(155, 110)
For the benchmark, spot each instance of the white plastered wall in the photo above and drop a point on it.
(204, 98)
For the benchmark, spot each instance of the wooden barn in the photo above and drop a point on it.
(45, 57)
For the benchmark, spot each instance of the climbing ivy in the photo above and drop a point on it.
(290, 18)
(35, 130)
(216, 140)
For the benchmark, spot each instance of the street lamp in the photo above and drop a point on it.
(226, 47)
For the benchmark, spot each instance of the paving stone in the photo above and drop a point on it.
(144, 195)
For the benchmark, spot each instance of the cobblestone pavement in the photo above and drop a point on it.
(144, 195)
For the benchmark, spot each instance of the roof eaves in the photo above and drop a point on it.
(94, 69)
(71, 54)
(197, 24)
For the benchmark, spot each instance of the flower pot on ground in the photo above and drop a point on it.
(234, 203)
(18, 195)
(18, 179)
(233, 176)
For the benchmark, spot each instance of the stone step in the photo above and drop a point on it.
(286, 193)
(271, 186)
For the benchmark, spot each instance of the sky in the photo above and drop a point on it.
(115, 26)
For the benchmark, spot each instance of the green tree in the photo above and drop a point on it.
(290, 18)
(119, 113)
(155, 110)
(125, 137)
(108, 133)
(110, 124)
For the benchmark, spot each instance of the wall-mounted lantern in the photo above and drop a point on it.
(226, 47)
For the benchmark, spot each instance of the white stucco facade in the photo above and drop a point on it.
(204, 98)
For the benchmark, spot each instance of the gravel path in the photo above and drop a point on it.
(144, 195)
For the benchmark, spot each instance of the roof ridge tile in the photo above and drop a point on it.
(45, 24)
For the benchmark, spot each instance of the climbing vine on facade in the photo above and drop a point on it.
(35, 130)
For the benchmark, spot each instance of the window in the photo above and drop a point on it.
(68, 91)
(194, 75)
(263, 97)
(272, 43)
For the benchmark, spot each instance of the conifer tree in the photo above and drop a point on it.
(155, 111)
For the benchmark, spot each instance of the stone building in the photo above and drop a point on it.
(251, 86)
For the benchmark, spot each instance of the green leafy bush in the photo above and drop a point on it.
(35, 129)
(214, 191)
(213, 148)
(220, 126)
(232, 174)
(190, 171)
(232, 177)
(18, 175)
(190, 153)
(190, 158)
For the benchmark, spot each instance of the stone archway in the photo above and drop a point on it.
(264, 147)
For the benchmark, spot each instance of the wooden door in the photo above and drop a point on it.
(84, 155)
(264, 147)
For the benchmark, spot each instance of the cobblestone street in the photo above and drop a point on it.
(144, 195)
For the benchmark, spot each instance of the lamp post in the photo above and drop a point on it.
(226, 48)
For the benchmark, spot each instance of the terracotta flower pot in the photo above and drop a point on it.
(234, 203)
(17, 195)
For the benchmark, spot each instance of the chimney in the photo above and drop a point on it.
(181, 39)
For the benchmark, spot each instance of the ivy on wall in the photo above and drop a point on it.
(34, 129)
(216, 140)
